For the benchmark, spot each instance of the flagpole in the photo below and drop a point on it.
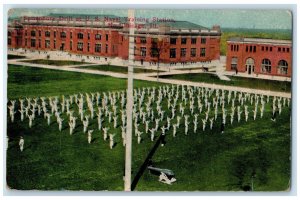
(128, 144)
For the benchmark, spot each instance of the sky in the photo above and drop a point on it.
(226, 18)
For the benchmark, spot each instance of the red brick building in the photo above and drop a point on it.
(259, 56)
(107, 36)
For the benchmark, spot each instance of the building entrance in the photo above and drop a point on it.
(250, 65)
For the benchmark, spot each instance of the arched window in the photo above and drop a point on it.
(234, 61)
(80, 35)
(282, 67)
(266, 66)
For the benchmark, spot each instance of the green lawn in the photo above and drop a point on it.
(205, 161)
(29, 82)
(55, 62)
(10, 56)
(119, 69)
(282, 86)
(190, 68)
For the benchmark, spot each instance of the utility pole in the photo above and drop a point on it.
(128, 147)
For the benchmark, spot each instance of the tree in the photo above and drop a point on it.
(159, 45)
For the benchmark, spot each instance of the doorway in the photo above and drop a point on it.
(250, 65)
(62, 46)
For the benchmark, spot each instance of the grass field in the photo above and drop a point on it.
(119, 69)
(10, 56)
(209, 161)
(26, 81)
(282, 86)
(190, 68)
(54, 62)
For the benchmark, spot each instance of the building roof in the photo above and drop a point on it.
(259, 41)
(161, 25)
(180, 25)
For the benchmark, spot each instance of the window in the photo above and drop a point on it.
(266, 66)
(182, 52)
(79, 35)
(202, 52)
(288, 50)
(9, 33)
(143, 40)
(88, 48)
(47, 34)
(106, 37)
(173, 53)
(54, 44)
(234, 47)
(98, 48)
(89, 36)
(183, 40)
(154, 52)
(234, 61)
(79, 46)
(63, 35)
(71, 45)
(40, 33)
(173, 40)
(154, 40)
(47, 43)
(97, 37)
(250, 49)
(203, 40)
(231, 47)
(262, 48)
(71, 35)
(283, 49)
(143, 51)
(282, 67)
(254, 49)
(279, 49)
(54, 34)
(135, 51)
(25, 41)
(25, 32)
(193, 52)
(106, 48)
(39, 43)
(9, 41)
(271, 48)
(32, 33)
(32, 43)
(247, 48)
(194, 40)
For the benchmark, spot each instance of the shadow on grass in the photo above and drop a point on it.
(146, 162)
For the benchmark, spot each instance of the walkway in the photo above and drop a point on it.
(148, 77)
(260, 76)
